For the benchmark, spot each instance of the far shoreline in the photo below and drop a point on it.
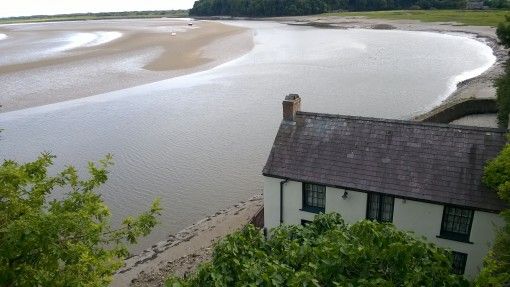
(480, 86)
(146, 14)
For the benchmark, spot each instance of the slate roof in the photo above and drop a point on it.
(430, 162)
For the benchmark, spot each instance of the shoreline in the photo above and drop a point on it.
(480, 86)
(181, 253)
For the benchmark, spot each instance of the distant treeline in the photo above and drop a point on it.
(101, 15)
(266, 8)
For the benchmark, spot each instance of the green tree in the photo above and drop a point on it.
(496, 270)
(66, 241)
(503, 83)
(265, 8)
(326, 252)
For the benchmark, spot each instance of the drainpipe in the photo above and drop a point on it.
(281, 199)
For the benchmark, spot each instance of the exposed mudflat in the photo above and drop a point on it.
(45, 63)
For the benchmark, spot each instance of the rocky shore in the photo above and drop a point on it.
(181, 253)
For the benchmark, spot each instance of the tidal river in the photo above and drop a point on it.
(199, 141)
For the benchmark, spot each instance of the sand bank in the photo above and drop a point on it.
(182, 252)
(105, 56)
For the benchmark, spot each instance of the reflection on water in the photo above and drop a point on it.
(200, 141)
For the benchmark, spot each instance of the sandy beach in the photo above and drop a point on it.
(139, 52)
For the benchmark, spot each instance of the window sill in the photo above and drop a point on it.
(454, 239)
(312, 209)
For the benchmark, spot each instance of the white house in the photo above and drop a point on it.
(422, 177)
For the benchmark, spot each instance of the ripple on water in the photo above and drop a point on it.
(199, 142)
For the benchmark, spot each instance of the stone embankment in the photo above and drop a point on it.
(181, 253)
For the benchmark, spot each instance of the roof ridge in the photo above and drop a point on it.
(405, 122)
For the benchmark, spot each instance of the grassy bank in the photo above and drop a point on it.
(96, 16)
(477, 18)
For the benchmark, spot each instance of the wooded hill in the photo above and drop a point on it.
(269, 8)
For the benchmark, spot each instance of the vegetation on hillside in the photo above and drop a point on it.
(476, 18)
(496, 270)
(265, 8)
(503, 83)
(326, 252)
(96, 16)
(55, 231)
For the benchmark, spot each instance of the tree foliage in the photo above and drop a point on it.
(326, 252)
(496, 270)
(61, 242)
(265, 8)
(503, 82)
(497, 4)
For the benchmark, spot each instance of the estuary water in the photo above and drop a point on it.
(199, 142)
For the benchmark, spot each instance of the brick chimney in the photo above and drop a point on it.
(291, 105)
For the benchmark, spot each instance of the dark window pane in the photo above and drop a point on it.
(456, 223)
(387, 208)
(305, 222)
(459, 262)
(380, 207)
(373, 206)
(314, 196)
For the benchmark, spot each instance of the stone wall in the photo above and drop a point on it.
(449, 112)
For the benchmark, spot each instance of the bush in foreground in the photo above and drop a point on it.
(60, 242)
(326, 252)
(496, 270)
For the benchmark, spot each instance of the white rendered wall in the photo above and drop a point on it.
(271, 202)
(424, 219)
(352, 209)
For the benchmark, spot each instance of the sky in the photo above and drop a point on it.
(10, 8)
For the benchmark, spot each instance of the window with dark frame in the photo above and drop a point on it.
(459, 262)
(305, 222)
(380, 207)
(456, 224)
(314, 197)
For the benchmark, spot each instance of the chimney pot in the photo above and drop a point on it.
(291, 105)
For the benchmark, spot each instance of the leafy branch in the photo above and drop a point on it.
(61, 242)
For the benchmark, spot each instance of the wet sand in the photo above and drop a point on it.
(148, 51)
